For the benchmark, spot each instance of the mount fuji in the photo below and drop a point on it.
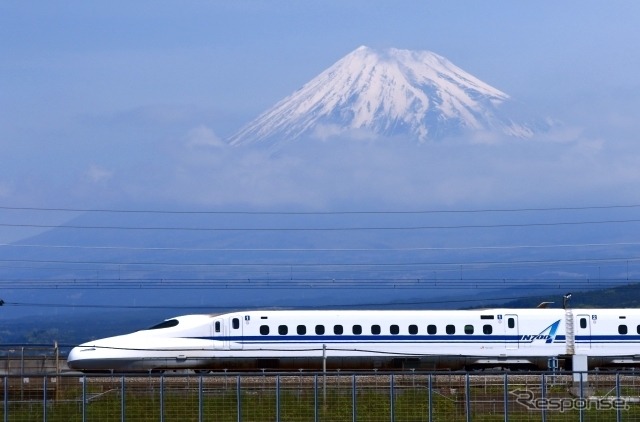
(416, 95)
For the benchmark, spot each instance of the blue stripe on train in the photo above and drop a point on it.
(464, 339)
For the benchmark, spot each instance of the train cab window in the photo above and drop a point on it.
(413, 329)
(164, 324)
(451, 329)
(583, 323)
(622, 329)
(357, 329)
(394, 329)
(487, 329)
(319, 330)
(235, 323)
(264, 330)
(337, 329)
(468, 329)
(283, 330)
(511, 322)
(432, 329)
(301, 330)
(216, 326)
(375, 329)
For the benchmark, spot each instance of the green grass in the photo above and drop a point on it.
(220, 404)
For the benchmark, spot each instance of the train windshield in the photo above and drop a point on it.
(164, 324)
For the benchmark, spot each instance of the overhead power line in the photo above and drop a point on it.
(320, 284)
(288, 265)
(400, 249)
(239, 212)
(321, 229)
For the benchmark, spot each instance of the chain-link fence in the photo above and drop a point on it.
(407, 396)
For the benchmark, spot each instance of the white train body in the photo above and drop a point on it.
(255, 340)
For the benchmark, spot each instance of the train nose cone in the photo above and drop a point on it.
(81, 357)
(73, 359)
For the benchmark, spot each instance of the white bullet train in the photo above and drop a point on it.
(424, 339)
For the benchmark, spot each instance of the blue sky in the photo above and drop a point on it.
(124, 104)
(108, 101)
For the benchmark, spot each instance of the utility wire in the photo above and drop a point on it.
(237, 212)
(304, 284)
(322, 229)
(407, 249)
(287, 265)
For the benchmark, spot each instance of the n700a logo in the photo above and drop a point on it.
(548, 334)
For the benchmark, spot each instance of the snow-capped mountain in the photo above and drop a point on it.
(413, 94)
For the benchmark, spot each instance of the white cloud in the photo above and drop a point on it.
(202, 136)
(403, 174)
(97, 174)
(326, 132)
(6, 189)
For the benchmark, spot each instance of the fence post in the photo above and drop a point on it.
(315, 398)
(84, 398)
(122, 400)
(238, 395)
(581, 410)
(506, 397)
(543, 393)
(353, 399)
(5, 381)
(618, 398)
(44, 398)
(278, 398)
(429, 393)
(161, 398)
(391, 401)
(200, 404)
(467, 398)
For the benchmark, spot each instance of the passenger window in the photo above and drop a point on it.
(235, 323)
(638, 329)
(583, 323)
(622, 329)
(283, 330)
(451, 329)
(264, 330)
(468, 329)
(375, 329)
(394, 329)
(432, 329)
(487, 329)
(337, 329)
(413, 329)
(301, 330)
(319, 330)
(357, 329)
(511, 323)
(217, 326)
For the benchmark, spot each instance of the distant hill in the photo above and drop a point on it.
(627, 296)
(72, 329)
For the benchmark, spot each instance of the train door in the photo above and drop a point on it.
(219, 334)
(583, 332)
(235, 333)
(512, 337)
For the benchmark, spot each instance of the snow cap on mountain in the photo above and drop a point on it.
(418, 95)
